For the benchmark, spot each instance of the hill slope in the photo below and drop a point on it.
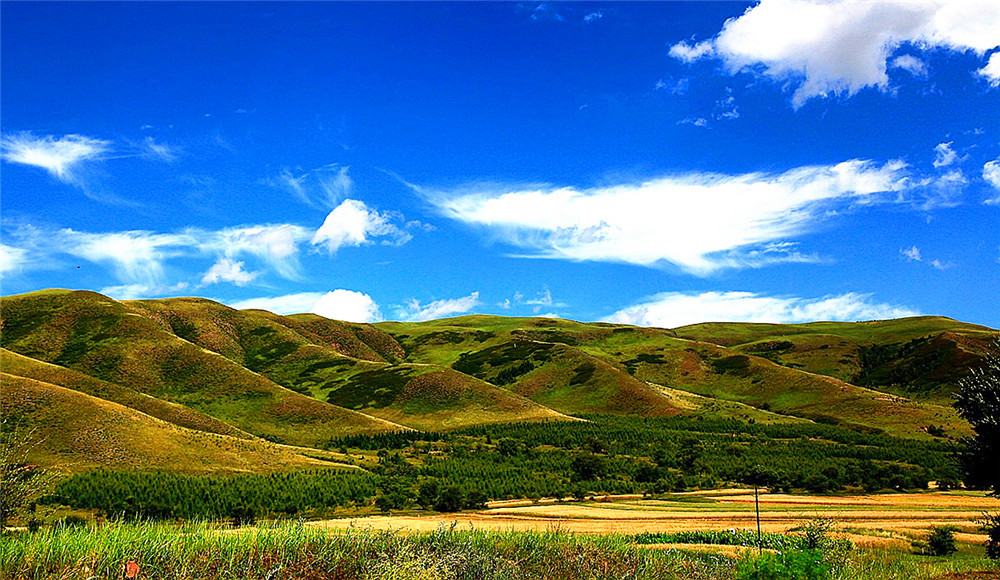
(80, 431)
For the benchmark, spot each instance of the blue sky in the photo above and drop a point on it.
(647, 163)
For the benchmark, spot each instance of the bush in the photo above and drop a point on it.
(793, 565)
(940, 542)
(990, 525)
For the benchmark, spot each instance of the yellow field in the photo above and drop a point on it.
(865, 519)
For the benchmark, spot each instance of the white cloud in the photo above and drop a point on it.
(696, 121)
(340, 304)
(322, 188)
(226, 270)
(698, 222)
(944, 155)
(61, 157)
(912, 254)
(911, 64)
(160, 151)
(991, 173)
(348, 305)
(687, 52)
(12, 259)
(673, 309)
(353, 224)
(276, 244)
(135, 256)
(140, 291)
(842, 46)
(286, 304)
(992, 70)
(593, 16)
(441, 308)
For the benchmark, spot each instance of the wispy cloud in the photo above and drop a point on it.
(62, 157)
(135, 256)
(352, 223)
(151, 148)
(340, 304)
(842, 46)
(275, 244)
(417, 312)
(12, 259)
(285, 304)
(673, 309)
(913, 254)
(910, 64)
(699, 222)
(322, 188)
(944, 155)
(140, 291)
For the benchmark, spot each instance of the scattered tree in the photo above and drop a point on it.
(978, 401)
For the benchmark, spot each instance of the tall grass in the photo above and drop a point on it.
(290, 550)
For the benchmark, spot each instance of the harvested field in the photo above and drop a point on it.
(866, 519)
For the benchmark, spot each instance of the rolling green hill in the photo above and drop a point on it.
(918, 356)
(80, 432)
(196, 367)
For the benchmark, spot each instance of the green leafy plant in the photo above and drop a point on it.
(791, 565)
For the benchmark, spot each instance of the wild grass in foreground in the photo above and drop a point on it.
(293, 550)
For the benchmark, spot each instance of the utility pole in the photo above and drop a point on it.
(756, 504)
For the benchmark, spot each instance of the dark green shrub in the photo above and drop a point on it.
(940, 542)
(990, 525)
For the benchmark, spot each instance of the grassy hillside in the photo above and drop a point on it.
(78, 431)
(919, 356)
(307, 380)
(22, 366)
(107, 340)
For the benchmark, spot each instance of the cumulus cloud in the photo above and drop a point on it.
(913, 254)
(353, 224)
(991, 173)
(842, 46)
(322, 188)
(698, 222)
(346, 305)
(991, 72)
(61, 157)
(440, 308)
(227, 270)
(673, 309)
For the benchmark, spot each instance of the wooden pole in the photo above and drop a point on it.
(756, 503)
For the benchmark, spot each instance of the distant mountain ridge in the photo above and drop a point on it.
(192, 365)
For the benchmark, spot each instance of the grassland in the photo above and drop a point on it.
(889, 521)
(293, 550)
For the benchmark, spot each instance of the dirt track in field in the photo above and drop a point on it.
(866, 519)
